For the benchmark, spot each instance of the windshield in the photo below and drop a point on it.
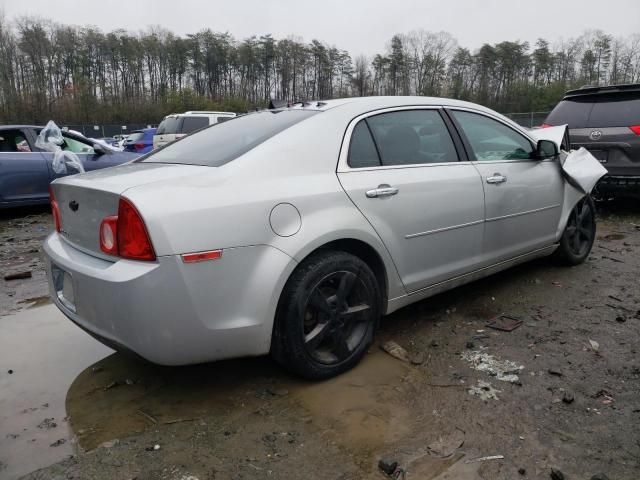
(224, 142)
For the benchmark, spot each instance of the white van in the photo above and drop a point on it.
(178, 125)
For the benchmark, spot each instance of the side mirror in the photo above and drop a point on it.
(546, 149)
(99, 149)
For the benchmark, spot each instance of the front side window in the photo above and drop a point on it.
(13, 141)
(410, 137)
(492, 140)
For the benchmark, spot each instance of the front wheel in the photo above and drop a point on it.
(579, 234)
(327, 315)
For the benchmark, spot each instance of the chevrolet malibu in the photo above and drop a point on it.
(291, 231)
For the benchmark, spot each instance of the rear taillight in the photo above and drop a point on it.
(125, 235)
(546, 125)
(55, 209)
(139, 146)
(109, 235)
(635, 129)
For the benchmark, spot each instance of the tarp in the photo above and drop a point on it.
(50, 138)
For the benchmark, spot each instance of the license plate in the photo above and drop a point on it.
(601, 155)
(63, 285)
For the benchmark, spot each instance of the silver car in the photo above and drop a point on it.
(292, 231)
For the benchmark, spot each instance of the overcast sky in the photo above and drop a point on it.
(359, 26)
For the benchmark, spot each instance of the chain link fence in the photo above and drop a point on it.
(528, 119)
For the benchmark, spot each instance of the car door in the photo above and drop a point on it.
(401, 168)
(24, 177)
(523, 195)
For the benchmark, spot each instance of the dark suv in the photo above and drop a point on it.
(606, 121)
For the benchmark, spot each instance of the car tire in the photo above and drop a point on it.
(327, 315)
(579, 234)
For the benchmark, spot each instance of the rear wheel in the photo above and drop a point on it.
(327, 315)
(579, 234)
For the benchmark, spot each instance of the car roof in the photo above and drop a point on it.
(607, 89)
(13, 127)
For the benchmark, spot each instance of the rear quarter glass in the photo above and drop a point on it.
(223, 142)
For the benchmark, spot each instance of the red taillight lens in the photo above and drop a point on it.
(139, 146)
(546, 125)
(55, 209)
(635, 129)
(109, 235)
(125, 234)
(132, 237)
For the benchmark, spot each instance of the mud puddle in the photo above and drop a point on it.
(41, 352)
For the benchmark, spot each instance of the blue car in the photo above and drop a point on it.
(140, 141)
(26, 171)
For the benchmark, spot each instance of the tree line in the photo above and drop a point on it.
(84, 75)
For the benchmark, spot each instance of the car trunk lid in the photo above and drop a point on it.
(85, 200)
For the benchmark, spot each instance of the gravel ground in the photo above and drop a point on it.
(561, 391)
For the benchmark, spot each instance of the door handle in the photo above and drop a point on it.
(383, 190)
(496, 178)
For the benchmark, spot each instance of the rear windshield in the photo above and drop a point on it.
(619, 110)
(226, 141)
(168, 126)
(135, 136)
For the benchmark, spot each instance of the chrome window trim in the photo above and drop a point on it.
(343, 166)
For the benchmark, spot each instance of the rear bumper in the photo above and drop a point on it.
(619, 183)
(173, 313)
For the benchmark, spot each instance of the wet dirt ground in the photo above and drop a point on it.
(575, 405)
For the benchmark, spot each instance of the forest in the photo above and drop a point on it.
(84, 75)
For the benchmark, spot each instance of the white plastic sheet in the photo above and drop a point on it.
(580, 169)
(50, 139)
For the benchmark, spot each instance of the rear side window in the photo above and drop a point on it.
(224, 142)
(191, 124)
(492, 140)
(409, 137)
(615, 111)
(169, 125)
(362, 151)
(223, 119)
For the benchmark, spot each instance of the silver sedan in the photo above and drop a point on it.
(292, 231)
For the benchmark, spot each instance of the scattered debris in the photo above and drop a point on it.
(621, 319)
(484, 390)
(522, 471)
(110, 443)
(18, 275)
(556, 474)
(470, 345)
(47, 424)
(617, 260)
(612, 297)
(595, 346)
(503, 370)
(387, 466)
(278, 392)
(110, 386)
(418, 358)
(484, 459)
(10, 372)
(58, 442)
(97, 369)
(152, 449)
(554, 371)
(567, 397)
(396, 351)
(503, 322)
(151, 418)
(599, 476)
(446, 445)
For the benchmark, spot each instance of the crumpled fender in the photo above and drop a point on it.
(580, 169)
